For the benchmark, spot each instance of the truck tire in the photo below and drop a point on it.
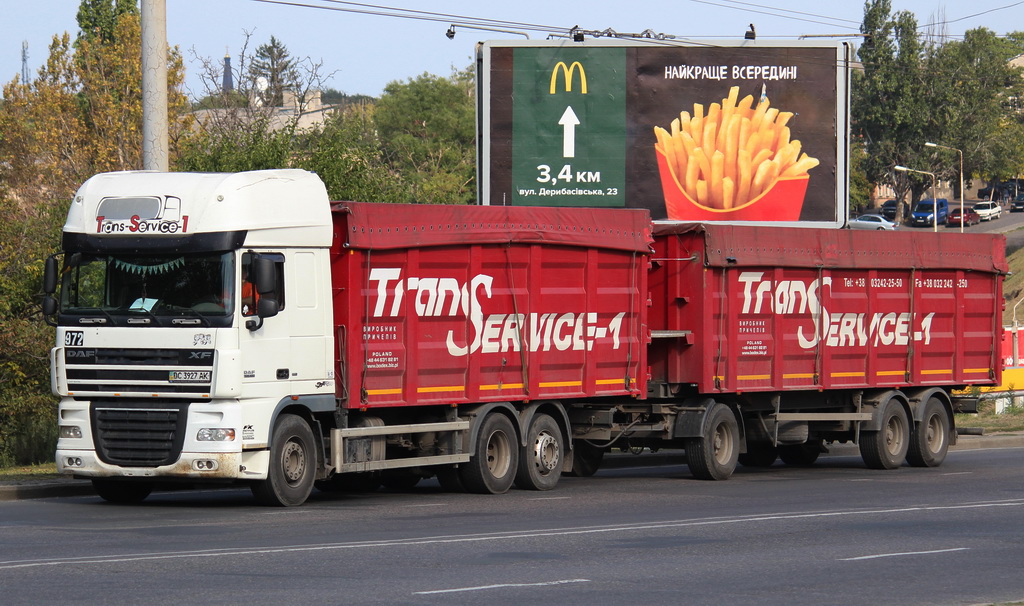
(759, 455)
(292, 464)
(887, 447)
(586, 459)
(800, 455)
(929, 441)
(714, 455)
(540, 461)
(117, 491)
(495, 457)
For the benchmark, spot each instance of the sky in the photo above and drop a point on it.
(363, 52)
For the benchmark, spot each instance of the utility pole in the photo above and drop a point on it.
(154, 85)
(24, 61)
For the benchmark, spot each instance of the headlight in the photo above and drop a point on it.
(70, 431)
(210, 434)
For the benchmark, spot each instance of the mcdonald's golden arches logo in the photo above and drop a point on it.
(567, 73)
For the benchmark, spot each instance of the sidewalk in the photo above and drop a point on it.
(70, 487)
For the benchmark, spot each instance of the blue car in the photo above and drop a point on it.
(929, 212)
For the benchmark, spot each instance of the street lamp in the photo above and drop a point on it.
(930, 144)
(935, 202)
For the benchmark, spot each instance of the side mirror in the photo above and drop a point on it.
(266, 308)
(266, 275)
(50, 275)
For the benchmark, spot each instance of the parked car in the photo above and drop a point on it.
(930, 212)
(998, 190)
(969, 217)
(871, 221)
(1018, 203)
(988, 210)
(889, 209)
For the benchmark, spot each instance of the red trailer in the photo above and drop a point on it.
(444, 313)
(735, 343)
(810, 336)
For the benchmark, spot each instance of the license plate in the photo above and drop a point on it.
(190, 376)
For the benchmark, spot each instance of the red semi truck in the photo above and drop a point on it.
(203, 337)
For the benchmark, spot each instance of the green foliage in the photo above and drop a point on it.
(254, 148)
(347, 155)
(332, 96)
(27, 410)
(427, 129)
(954, 94)
(860, 185)
(97, 19)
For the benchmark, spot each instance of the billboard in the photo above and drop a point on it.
(738, 132)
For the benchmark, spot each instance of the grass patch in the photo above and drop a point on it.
(23, 473)
(1010, 420)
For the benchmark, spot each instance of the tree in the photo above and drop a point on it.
(972, 81)
(97, 19)
(427, 129)
(346, 153)
(955, 94)
(890, 111)
(80, 115)
(274, 71)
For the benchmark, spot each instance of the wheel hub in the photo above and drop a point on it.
(294, 458)
(545, 452)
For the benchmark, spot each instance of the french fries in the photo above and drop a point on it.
(732, 154)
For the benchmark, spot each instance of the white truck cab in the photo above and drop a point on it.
(173, 358)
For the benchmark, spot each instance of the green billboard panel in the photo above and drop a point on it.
(568, 127)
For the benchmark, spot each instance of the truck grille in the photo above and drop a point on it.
(188, 372)
(138, 434)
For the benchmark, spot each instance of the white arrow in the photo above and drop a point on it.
(569, 122)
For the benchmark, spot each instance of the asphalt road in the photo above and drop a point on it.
(836, 533)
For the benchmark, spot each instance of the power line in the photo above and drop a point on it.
(991, 10)
(784, 10)
(401, 13)
(775, 14)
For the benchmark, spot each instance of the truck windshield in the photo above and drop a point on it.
(158, 286)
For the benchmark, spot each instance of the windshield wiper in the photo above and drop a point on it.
(85, 310)
(188, 310)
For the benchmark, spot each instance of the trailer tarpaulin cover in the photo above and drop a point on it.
(392, 226)
(743, 245)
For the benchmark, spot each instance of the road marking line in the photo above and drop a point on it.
(549, 499)
(495, 536)
(905, 553)
(502, 586)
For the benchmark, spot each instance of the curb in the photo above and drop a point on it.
(614, 460)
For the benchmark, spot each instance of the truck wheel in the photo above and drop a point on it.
(292, 464)
(887, 447)
(493, 466)
(758, 455)
(713, 456)
(540, 461)
(929, 442)
(586, 458)
(117, 491)
(800, 455)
